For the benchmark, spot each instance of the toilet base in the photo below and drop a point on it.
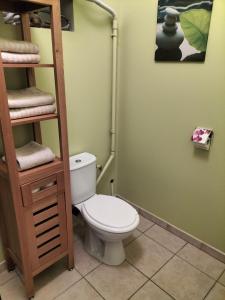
(109, 252)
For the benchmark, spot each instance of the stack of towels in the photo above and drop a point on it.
(32, 155)
(19, 51)
(30, 102)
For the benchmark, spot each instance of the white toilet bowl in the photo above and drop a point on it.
(110, 220)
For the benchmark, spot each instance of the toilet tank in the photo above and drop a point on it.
(83, 177)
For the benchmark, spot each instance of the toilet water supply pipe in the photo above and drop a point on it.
(114, 85)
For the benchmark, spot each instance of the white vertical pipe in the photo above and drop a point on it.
(114, 85)
(114, 99)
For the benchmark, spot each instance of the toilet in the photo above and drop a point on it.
(109, 220)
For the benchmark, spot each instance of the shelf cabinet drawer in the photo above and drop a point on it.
(34, 192)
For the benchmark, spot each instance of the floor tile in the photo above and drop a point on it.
(132, 237)
(80, 291)
(150, 291)
(6, 276)
(202, 261)
(182, 281)
(118, 282)
(84, 262)
(13, 289)
(48, 284)
(222, 279)
(165, 238)
(54, 280)
(144, 224)
(217, 293)
(146, 255)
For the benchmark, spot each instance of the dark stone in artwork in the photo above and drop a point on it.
(197, 57)
(168, 55)
(181, 6)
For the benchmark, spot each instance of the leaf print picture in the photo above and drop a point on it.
(182, 30)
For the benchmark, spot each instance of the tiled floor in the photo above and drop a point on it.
(159, 266)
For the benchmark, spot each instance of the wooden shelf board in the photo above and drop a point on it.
(22, 121)
(35, 173)
(6, 65)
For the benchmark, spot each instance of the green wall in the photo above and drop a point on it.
(160, 105)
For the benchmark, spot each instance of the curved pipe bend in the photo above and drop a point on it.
(105, 7)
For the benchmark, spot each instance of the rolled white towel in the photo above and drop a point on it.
(27, 112)
(15, 46)
(29, 97)
(32, 155)
(20, 58)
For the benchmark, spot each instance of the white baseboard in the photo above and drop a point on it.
(178, 232)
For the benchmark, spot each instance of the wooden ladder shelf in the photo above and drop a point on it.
(36, 228)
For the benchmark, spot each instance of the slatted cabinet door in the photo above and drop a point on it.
(46, 219)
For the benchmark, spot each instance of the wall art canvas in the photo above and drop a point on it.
(182, 30)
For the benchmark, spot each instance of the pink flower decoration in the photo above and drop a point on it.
(197, 138)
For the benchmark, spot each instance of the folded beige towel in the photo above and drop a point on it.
(14, 58)
(31, 111)
(32, 155)
(29, 97)
(18, 46)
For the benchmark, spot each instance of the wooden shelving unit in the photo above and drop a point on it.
(36, 228)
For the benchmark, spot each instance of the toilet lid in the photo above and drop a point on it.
(110, 212)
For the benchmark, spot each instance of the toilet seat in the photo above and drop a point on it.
(110, 214)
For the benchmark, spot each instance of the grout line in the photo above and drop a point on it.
(133, 240)
(177, 254)
(199, 269)
(150, 226)
(163, 265)
(150, 278)
(162, 289)
(94, 288)
(82, 277)
(137, 268)
(223, 284)
(209, 291)
(185, 243)
(64, 291)
(161, 269)
(138, 289)
(93, 269)
(78, 272)
(174, 255)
